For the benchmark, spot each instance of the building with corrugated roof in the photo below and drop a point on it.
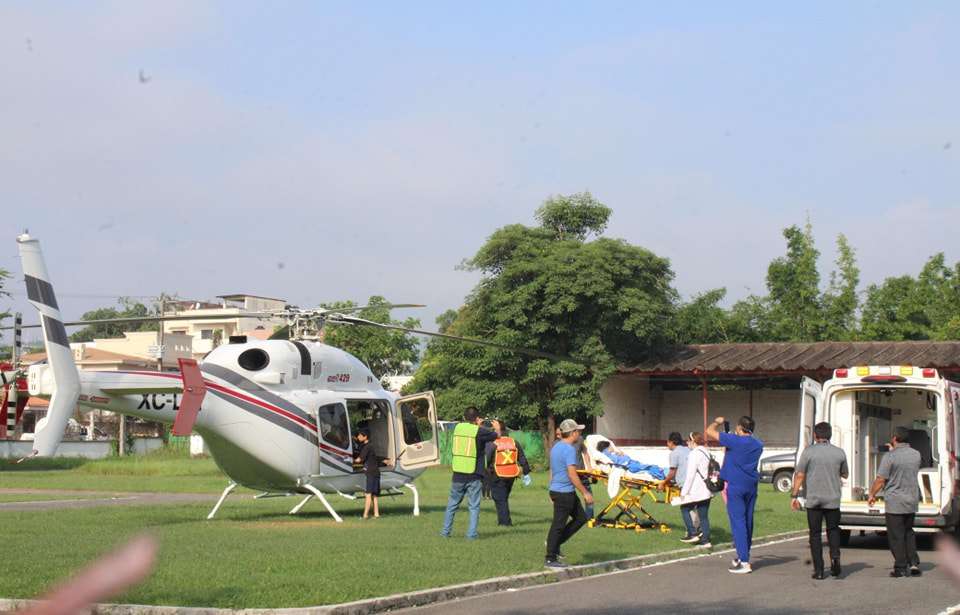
(684, 389)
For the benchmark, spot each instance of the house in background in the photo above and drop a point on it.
(208, 333)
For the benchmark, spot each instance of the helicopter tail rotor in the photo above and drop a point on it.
(194, 391)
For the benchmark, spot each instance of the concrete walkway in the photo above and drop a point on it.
(780, 584)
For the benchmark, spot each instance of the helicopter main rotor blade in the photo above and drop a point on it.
(389, 306)
(109, 321)
(353, 320)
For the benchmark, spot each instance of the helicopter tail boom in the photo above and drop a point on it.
(60, 356)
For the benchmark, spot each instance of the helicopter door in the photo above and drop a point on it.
(416, 421)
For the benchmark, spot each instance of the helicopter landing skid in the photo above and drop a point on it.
(223, 496)
(323, 500)
(416, 498)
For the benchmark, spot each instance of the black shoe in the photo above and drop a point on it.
(896, 574)
(554, 564)
(835, 568)
(915, 571)
(818, 575)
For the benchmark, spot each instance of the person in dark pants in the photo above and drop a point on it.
(897, 477)
(819, 471)
(487, 491)
(505, 462)
(568, 514)
(469, 441)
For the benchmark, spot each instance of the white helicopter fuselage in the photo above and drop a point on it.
(279, 415)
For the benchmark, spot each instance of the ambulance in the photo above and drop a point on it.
(864, 405)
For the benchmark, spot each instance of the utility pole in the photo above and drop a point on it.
(163, 308)
(122, 434)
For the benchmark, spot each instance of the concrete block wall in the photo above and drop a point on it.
(629, 411)
(634, 410)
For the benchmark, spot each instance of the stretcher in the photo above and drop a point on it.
(627, 493)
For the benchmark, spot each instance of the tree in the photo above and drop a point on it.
(384, 352)
(793, 283)
(908, 308)
(574, 216)
(128, 308)
(702, 320)
(840, 302)
(794, 308)
(602, 302)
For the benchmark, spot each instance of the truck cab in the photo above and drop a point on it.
(864, 405)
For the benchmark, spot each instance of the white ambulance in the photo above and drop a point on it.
(864, 405)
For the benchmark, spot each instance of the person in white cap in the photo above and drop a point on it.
(568, 513)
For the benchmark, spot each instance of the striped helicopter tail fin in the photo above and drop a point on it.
(59, 355)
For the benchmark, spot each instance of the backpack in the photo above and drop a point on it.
(714, 483)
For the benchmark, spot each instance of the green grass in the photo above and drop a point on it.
(162, 470)
(254, 555)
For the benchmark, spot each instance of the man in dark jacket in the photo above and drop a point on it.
(501, 486)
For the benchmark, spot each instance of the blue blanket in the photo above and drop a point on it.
(635, 467)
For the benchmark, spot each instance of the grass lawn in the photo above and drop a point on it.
(255, 555)
(162, 470)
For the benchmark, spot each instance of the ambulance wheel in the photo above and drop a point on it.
(844, 538)
(783, 481)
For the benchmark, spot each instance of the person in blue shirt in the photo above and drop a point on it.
(739, 470)
(568, 514)
(617, 458)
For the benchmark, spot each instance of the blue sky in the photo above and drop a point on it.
(370, 147)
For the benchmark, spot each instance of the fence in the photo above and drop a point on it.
(530, 441)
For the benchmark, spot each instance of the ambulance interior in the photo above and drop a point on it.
(874, 413)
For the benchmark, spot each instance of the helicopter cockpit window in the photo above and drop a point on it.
(253, 359)
(417, 426)
(333, 425)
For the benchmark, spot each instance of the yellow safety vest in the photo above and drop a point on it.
(465, 448)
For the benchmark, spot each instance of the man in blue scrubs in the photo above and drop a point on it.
(740, 473)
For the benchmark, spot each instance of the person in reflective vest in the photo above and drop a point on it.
(505, 462)
(469, 440)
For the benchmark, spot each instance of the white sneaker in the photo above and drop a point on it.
(735, 562)
(705, 545)
(691, 539)
(742, 568)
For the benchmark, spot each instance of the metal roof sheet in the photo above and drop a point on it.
(780, 357)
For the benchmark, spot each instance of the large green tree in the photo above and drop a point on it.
(550, 287)
(385, 352)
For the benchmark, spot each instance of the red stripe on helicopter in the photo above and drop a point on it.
(252, 400)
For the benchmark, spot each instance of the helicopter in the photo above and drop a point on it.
(278, 415)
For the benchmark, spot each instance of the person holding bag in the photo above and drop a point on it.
(695, 494)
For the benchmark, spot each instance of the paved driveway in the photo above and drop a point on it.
(780, 583)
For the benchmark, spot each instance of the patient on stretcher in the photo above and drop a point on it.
(618, 458)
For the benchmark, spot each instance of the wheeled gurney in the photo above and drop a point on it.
(627, 492)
